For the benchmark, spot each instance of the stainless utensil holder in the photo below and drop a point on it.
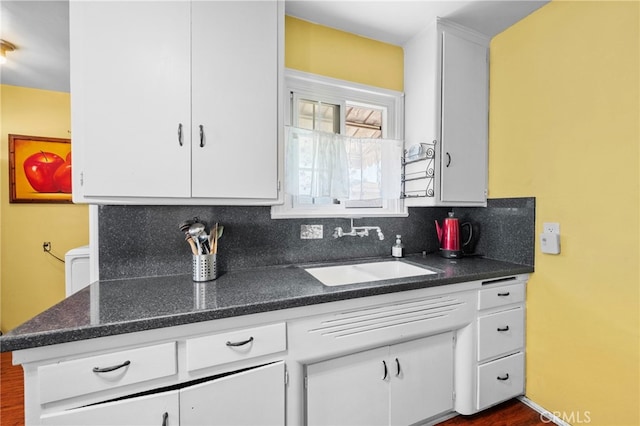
(205, 267)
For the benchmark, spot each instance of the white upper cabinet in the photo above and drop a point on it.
(446, 101)
(130, 90)
(235, 96)
(176, 102)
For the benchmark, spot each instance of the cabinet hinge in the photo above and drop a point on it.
(306, 382)
(81, 178)
(453, 397)
(286, 376)
(278, 186)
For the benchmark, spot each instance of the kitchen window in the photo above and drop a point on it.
(343, 144)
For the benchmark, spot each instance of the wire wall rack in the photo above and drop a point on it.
(418, 171)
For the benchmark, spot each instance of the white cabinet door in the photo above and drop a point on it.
(351, 390)
(252, 397)
(235, 99)
(130, 91)
(446, 101)
(422, 379)
(394, 385)
(464, 120)
(151, 410)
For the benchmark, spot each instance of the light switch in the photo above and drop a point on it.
(550, 243)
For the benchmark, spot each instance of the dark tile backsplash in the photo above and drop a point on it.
(140, 241)
(506, 227)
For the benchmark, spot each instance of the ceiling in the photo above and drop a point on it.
(40, 29)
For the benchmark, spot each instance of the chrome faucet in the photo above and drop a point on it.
(357, 231)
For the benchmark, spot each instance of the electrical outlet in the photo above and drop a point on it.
(311, 232)
(551, 227)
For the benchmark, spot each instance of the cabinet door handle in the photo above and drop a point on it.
(503, 378)
(244, 342)
(398, 370)
(503, 328)
(165, 419)
(113, 368)
(386, 372)
(180, 133)
(503, 294)
(201, 136)
(448, 160)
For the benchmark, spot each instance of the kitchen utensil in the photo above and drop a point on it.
(215, 239)
(195, 230)
(215, 236)
(192, 243)
(449, 237)
(203, 238)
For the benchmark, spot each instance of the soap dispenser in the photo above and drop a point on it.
(396, 250)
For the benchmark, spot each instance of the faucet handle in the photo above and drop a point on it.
(337, 233)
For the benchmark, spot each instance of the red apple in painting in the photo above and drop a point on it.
(62, 177)
(40, 168)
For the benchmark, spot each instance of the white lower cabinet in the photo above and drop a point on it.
(500, 370)
(250, 397)
(254, 397)
(393, 359)
(393, 385)
(152, 410)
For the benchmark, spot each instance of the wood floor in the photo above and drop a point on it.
(11, 392)
(510, 413)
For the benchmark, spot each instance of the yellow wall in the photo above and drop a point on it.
(565, 128)
(30, 280)
(325, 51)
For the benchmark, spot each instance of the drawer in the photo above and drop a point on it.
(500, 380)
(209, 351)
(500, 333)
(79, 377)
(500, 296)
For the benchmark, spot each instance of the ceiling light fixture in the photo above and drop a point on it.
(5, 47)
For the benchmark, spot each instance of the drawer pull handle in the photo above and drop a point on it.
(244, 342)
(503, 294)
(503, 378)
(398, 370)
(180, 133)
(385, 370)
(201, 136)
(165, 419)
(503, 328)
(108, 369)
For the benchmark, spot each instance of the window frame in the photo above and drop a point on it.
(302, 85)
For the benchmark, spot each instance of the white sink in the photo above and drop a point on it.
(365, 272)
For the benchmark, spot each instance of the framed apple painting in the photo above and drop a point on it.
(39, 169)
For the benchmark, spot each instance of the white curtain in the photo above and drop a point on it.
(321, 164)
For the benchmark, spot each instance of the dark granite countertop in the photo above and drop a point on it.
(115, 307)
